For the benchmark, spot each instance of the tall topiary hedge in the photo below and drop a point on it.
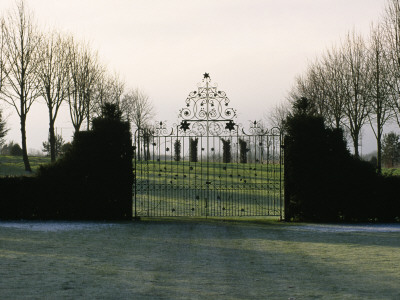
(226, 151)
(92, 181)
(324, 182)
(177, 150)
(193, 149)
(243, 151)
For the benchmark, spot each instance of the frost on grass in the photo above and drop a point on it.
(196, 259)
(350, 228)
(52, 226)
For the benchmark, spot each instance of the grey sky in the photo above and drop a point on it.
(252, 48)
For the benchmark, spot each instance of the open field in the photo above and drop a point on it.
(198, 259)
(14, 165)
(176, 188)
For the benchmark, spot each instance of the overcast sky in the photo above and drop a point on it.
(253, 49)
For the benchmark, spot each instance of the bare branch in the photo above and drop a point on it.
(139, 107)
(355, 71)
(22, 57)
(54, 79)
(84, 71)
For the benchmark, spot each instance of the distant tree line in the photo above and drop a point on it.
(355, 82)
(56, 67)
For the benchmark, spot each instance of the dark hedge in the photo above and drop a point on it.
(93, 181)
(325, 183)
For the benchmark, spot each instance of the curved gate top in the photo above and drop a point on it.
(206, 164)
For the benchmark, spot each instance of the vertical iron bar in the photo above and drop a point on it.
(281, 162)
(135, 174)
(207, 141)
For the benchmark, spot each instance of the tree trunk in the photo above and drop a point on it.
(88, 119)
(24, 150)
(379, 145)
(379, 155)
(355, 143)
(52, 140)
(337, 123)
(76, 127)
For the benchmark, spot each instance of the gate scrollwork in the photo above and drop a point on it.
(206, 164)
(207, 111)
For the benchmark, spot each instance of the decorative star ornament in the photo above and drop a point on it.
(184, 125)
(230, 125)
(206, 76)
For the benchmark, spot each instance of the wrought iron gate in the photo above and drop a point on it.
(207, 165)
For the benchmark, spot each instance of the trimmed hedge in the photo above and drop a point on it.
(18, 197)
(325, 183)
(93, 181)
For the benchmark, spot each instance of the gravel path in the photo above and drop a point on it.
(196, 260)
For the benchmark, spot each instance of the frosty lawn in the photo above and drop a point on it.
(194, 259)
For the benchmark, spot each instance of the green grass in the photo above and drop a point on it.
(391, 171)
(168, 188)
(14, 165)
(192, 259)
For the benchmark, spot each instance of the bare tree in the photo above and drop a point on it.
(3, 65)
(3, 75)
(84, 71)
(54, 80)
(3, 129)
(139, 113)
(326, 85)
(101, 92)
(317, 79)
(91, 72)
(392, 42)
(117, 89)
(139, 108)
(355, 72)
(333, 82)
(109, 89)
(378, 89)
(22, 40)
(277, 115)
(312, 86)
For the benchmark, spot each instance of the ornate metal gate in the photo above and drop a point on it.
(207, 165)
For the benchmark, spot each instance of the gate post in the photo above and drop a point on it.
(286, 189)
(135, 217)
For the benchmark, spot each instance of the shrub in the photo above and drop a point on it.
(391, 149)
(16, 150)
(59, 144)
